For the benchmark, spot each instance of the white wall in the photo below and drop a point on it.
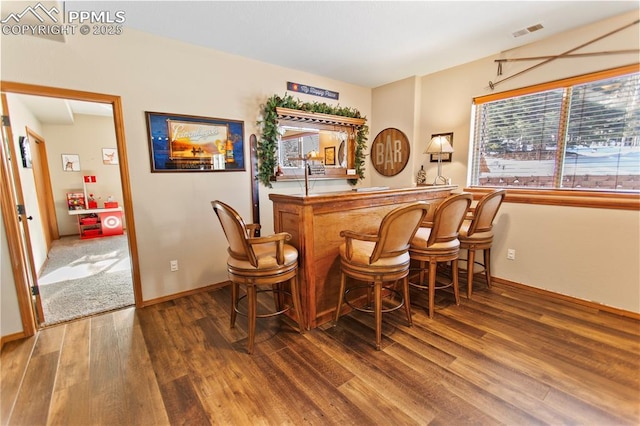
(85, 137)
(395, 105)
(590, 254)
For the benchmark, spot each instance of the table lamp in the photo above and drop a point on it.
(439, 145)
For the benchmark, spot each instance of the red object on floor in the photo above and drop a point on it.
(111, 223)
(90, 233)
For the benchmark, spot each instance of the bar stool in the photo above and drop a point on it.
(439, 243)
(380, 258)
(258, 262)
(476, 233)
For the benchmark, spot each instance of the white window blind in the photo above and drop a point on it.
(581, 136)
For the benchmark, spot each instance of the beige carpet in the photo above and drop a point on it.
(85, 277)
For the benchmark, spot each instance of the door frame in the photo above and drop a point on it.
(9, 211)
(46, 203)
(21, 267)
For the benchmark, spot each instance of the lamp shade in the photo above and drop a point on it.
(438, 145)
(314, 155)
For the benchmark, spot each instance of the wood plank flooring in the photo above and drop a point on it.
(508, 356)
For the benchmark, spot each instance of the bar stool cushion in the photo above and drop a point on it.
(420, 241)
(478, 237)
(266, 257)
(361, 255)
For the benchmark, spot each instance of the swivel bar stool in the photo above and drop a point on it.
(476, 233)
(380, 258)
(258, 262)
(439, 243)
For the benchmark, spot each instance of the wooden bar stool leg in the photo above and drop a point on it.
(432, 286)
(487, 265)
(234, 301)
(377, 290)
(251, 316)
(407, 301)
(278, 295)
(454, 272)
(471, 253)
(423, 267)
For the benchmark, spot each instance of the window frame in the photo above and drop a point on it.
(567, 196)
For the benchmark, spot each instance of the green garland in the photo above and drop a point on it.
(268, 143)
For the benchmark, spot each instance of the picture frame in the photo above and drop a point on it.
(110, 156)
(25, 151)
(189, 143)
(330, 156)
(71, 162)
(446, 156)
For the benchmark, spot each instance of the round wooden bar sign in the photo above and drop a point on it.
(390, 152)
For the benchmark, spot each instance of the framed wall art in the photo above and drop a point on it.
(390, 152)
(188, 143)
(71, 162)
(25, 151)
(446, 156)
(330, 156)
(109, 156)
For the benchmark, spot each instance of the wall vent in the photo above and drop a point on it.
(528, 30)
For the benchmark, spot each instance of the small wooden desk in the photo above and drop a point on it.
(315, 222)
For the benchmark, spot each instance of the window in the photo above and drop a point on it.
(296, 143)
(581, 133)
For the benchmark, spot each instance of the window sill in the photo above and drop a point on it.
(566, 197)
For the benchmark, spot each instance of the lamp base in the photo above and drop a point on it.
(440, 180)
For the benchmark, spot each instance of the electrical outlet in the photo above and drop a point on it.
(511, 254)
(173, 265)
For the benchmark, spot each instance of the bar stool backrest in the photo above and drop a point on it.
(396, 230)
(486, 211)
(236, 232)
(448, 218)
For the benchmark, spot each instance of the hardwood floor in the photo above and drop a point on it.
(508, 356)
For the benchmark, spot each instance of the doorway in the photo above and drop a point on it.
(38, 142)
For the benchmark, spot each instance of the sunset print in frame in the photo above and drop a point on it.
(187, 143)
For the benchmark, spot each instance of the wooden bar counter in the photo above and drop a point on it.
(315, 221)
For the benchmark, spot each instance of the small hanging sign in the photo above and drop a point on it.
(310, 90)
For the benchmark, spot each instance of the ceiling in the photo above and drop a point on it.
(62, 111)
(366, 43)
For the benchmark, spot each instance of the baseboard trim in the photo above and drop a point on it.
(571, 299)
(184, 293)
(11, 337)
(495, 280)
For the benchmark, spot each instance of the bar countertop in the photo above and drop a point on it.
(370, 193)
